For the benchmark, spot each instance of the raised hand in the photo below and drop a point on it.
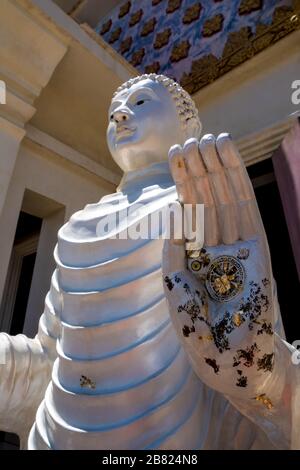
(221, 296)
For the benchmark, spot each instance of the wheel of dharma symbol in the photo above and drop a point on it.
(225, 278)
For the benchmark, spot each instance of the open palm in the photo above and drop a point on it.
(221, 296)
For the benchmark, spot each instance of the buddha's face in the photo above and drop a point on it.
(143, 125)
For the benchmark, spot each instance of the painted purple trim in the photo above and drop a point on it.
(286, 162)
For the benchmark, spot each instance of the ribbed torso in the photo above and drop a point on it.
(121, 379)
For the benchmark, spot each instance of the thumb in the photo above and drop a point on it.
(173, 257)
(174, 254)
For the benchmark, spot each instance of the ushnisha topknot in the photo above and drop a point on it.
(185, 106)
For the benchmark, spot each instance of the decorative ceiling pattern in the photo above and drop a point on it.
(196, 42)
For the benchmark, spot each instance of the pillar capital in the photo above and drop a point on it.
(29, 53)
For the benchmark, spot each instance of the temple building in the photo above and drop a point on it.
(61, 61)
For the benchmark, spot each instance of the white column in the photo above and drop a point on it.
(8, 223)
(10, 138)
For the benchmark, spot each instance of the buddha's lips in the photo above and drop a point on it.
(124, 131)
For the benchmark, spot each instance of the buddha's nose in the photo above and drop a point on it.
(119, 115)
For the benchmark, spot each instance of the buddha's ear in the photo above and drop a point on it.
(193, 128)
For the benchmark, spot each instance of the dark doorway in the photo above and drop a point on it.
(27, 226)
(22, 294)
(284, 268)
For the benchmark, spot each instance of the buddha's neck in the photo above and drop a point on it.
(155, 174)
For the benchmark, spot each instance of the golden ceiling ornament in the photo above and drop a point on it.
(162, 38)
(137, 57)
(248, 6)
(124, 9)
(173, 5)
(115, 35)
(213, 25)
(192, 13)
(240, 46)
(204, 70)
(180, 51)
(148, 27)
(125, 45)
(237, 40)
(153, 68)
(135, 17)
(106, 27)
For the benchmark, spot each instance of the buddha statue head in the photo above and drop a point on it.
(148, 114)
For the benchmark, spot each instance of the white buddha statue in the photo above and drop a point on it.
(125, 373)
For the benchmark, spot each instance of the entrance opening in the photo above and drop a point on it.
(284, 267)
(28, 230)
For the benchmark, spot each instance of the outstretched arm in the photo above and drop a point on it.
(221, 298)
(25, 369)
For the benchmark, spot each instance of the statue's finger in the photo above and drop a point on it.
(248, 214)
(185, 190)
(221, 191)
(198, 174)
(195, 165)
